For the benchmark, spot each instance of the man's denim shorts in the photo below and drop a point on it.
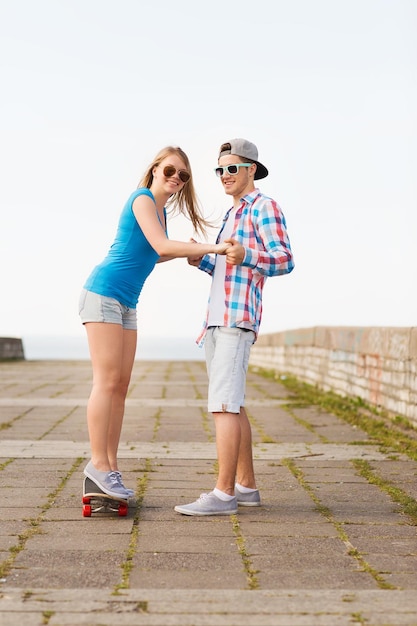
(96, 308)
(227, 359)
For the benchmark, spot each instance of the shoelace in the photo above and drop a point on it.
(119, 478)
(120, 481)
(203, 496)
(121, 484)
(115, 479)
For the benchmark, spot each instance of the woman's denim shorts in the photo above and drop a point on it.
(96, 308)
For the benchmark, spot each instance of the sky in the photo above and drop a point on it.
(91, 90)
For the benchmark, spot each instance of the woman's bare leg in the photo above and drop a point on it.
(119, 396)
(111, 361)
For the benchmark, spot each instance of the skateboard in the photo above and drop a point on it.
(96, 501)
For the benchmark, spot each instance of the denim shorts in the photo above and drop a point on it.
(96, 308)
(227, 359)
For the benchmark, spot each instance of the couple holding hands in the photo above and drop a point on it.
(252, 245)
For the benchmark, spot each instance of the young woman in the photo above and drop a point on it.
(110, 295)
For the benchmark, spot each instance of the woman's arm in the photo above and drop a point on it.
(146, 215)
(163, 259)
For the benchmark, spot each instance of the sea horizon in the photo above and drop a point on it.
(75, 348)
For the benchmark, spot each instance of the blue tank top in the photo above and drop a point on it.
(130, 260)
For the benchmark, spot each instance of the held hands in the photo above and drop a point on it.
(235, 252)
(221, 248)
(218, 248)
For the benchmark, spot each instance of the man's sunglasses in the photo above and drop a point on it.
(183, 175)
(231, 169)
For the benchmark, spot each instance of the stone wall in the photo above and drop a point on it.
(11, 348)
(376, 364)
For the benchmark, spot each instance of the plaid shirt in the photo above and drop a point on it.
(260, 227)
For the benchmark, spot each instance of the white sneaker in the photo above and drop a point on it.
(251, 498)
(208, 504)
(106, 481)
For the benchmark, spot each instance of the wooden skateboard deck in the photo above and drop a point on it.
(96, 501)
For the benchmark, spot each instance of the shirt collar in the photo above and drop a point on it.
(249, 198)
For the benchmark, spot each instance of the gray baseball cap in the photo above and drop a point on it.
(246, 150)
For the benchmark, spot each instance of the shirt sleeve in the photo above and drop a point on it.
(207, 264)
(270, 253)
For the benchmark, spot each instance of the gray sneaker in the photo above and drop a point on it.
(208, 504)
(119, 478)
(248, 499)
(106, 481)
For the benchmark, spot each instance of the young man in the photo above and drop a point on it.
(255, 228)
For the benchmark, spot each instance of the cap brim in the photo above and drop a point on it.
(261, 171)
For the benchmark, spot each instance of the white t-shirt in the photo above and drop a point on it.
(217, 294)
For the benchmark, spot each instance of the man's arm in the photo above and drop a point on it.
(274, 256)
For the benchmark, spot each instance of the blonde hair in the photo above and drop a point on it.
(185, 200)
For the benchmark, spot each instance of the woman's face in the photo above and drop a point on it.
(170, 172)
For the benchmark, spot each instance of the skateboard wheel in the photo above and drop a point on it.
(86, 499)
(123, 508)
(87, 510)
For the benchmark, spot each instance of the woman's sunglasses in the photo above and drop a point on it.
(231, 169)
(183, 175)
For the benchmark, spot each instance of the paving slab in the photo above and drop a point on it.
(327, 547)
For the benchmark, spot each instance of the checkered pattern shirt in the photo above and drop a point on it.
(261, 228)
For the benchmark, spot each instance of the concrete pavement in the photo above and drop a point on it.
(330, 545)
